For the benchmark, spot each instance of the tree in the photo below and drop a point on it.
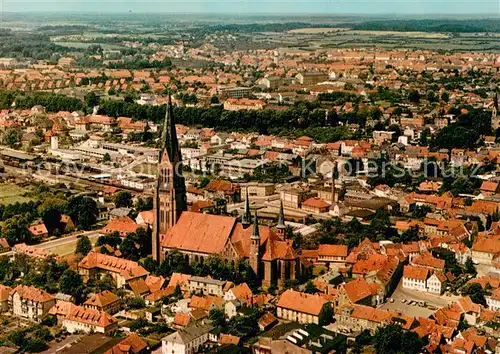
(91, 100)
(310, 288)
(218, 318)
(83, 211)
(52, 219)
(15, 230)
(144, 203)
(470, 268)
(392, 339)
(71, 283)
(83, 246)
(12, 137)
(123, 199)
(475, 292)
(414, 96)
(106, 158)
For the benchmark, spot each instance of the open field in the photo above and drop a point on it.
(67, 245)
(11, 193)
(319, 38)
(85, 45)
(316, 30)
(145, 168)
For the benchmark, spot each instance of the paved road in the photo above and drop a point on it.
(65, 240)
(59, 242)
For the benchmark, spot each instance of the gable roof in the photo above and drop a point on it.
(92, 317)
(133, 344)
(301, 302)
(127, 269)
(102, 299)
(31, 293)
(202, 233)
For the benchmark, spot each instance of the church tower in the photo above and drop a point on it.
(246, 219)
(281, 227)
(169, 199)
(254, 259)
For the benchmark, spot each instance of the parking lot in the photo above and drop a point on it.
(416, 303)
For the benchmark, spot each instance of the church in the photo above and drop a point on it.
(199, 236)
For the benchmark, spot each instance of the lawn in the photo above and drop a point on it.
(68, 248)
(145, 168)
(11, 193)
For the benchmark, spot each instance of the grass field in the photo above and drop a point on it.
(11, 193)
(69, 248)
(145, 168)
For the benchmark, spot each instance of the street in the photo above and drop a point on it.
(62, 246)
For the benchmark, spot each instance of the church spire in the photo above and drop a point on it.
(281, 217)
(169, 199)
(246, 220)
(169, 141)
(256, 233)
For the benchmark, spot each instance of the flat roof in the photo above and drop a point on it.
(18, 155)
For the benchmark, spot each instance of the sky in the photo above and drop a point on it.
(488, 7)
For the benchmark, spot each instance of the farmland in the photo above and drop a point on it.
(11, 193)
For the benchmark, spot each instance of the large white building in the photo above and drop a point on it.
(423, 279)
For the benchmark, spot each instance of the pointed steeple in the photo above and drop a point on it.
(281, 217)
(169, 141)
(246, 220)
(256, 233)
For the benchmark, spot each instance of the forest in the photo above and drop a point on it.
(431, 25)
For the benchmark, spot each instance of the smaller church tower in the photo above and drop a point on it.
(335, 175)
(281, 227)
(246, 220)
(255, 246)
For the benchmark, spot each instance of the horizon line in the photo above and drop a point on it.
(320, 14)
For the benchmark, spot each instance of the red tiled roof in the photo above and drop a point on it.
(301, 302)
(415, 272)
(207, 233)
(133, 344)
(31, 293)
(92, 317)
(315, 203)
(102, 299)
(332, 250)
(128, 269)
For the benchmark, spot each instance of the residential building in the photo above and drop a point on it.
(332, 253)
(121, 270)
(30, 303)
(87, 320)
(206, 286)
(186, 341)
(303, 308)
(104, 301)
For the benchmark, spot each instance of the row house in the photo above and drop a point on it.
(423, 279)
(359, 318)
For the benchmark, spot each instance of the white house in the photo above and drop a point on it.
(493, 301)
(415, 278)
(186, 341)
(435, 283)
(423, 279)
(88, 320)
